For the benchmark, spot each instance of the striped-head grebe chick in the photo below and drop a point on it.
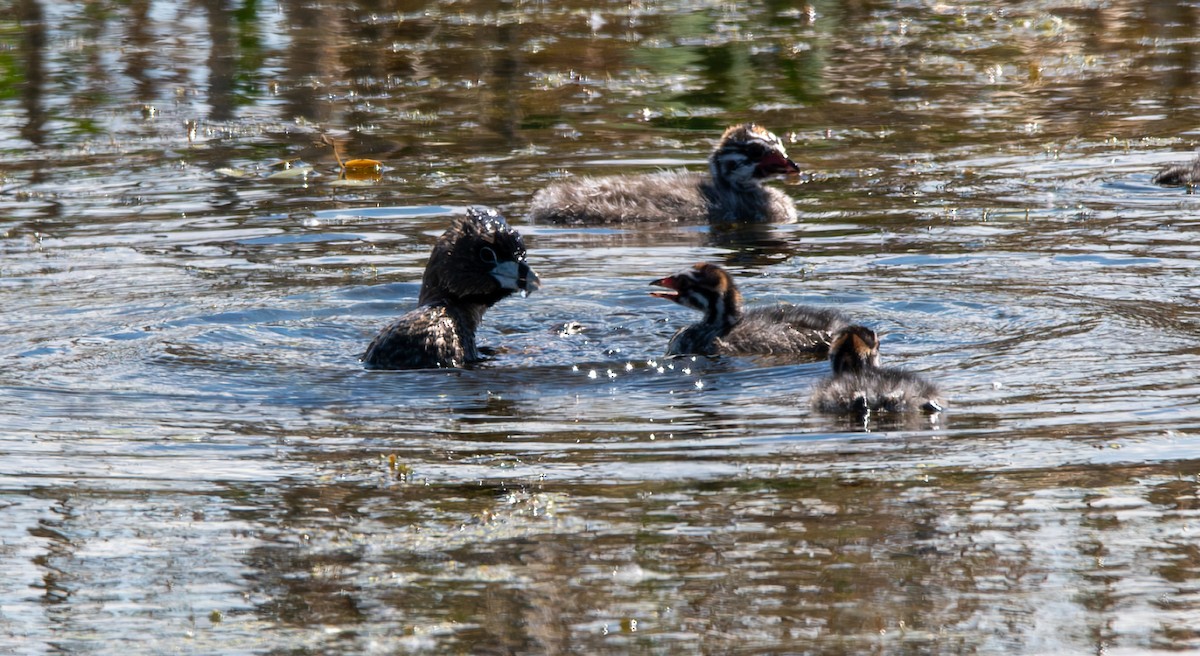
(859, 384)
(1179, 175)
(479, 260)
(728, 329)
(731, 191)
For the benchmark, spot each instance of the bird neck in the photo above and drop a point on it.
(845, 366)
(722, 315)
(736, 201)
(849, 363)
(732, 175)
(701, 338)
(466, 312)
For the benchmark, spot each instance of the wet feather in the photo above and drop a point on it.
(477, 262)
(730, 192)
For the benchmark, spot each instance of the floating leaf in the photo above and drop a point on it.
(233, 173)
(348, 182)
(293, 172)
(363, 169)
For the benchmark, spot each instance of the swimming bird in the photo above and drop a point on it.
(731, 191)
(728, 329)
(1179, 175)
(479, 260)
(860, 385)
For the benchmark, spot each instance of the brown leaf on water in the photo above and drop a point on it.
(363, 169)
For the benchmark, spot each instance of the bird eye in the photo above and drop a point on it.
(756, 150)
(488, 255)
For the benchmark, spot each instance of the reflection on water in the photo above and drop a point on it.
(192, 459)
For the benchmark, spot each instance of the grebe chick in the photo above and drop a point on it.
(731, 191)
(479, 260)
(1179, 175)
(727, 329)
(859, 385)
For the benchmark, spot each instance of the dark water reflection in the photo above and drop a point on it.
(191, 459)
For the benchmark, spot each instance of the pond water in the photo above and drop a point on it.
(192, 460)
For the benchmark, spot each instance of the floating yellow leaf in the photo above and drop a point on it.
(363, 169)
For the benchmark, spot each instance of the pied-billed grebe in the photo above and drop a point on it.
(479, 260)
(731, 192)
(859, 385)
(1179, 175)
(727, 329)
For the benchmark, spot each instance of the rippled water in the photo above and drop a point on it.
(192, 459)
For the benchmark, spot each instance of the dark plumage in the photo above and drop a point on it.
(731, 191)
(727, 329)
(1179, 175)
(479, 260)
(859, 385)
